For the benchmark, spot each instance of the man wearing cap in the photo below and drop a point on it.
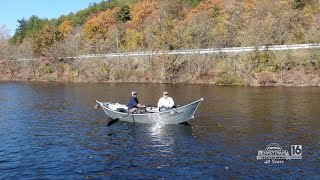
(133, 103)
(165, 102)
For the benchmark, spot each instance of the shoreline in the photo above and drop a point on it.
(124, 82)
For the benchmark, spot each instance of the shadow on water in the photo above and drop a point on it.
(185, 123)
(111, 122)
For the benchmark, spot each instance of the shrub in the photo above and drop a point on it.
(229, 79)
(265, 78)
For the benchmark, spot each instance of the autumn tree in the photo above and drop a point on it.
(133, 39)
(161, 36)
(305, 23)
(143, 12)
(174, 9)
(65, 28)
(202, 22)
(97, 26)
(44, 39)
(281, 16)
(80, 17)
(164, 31)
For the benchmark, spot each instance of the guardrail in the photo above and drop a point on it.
(197, 51)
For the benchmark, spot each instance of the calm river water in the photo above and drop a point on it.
(52, 131)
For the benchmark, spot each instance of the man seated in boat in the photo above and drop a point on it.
(133, 104)
(165, 102)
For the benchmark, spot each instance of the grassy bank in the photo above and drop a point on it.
(269, 68)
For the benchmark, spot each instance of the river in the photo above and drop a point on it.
(52, 131)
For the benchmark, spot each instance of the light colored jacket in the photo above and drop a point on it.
(163, 102)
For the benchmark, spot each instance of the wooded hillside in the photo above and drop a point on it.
(144, 25)
(132, 25)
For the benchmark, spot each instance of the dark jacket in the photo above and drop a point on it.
(133, 102)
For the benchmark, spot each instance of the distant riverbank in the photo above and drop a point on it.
(265, 68)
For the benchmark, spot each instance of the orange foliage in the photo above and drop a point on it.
(204, 7)
(98, 26)
(142, 11)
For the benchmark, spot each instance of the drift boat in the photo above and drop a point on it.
(151, 115)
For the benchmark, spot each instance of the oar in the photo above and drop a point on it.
(117, 119)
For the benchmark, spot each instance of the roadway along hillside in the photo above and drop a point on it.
(197, 51)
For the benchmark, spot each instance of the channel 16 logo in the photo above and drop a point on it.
(296, 151)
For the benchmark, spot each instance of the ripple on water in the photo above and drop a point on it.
(51, 131)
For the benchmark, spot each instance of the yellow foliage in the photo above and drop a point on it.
(91, 27)
(66, 28)
(133, 39)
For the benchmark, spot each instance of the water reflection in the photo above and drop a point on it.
(161, 139)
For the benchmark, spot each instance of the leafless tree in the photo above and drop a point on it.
(25, 52)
